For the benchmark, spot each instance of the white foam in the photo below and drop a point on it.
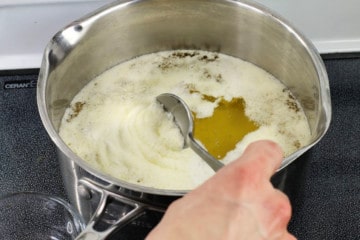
(124, 132)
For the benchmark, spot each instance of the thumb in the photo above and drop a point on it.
(258, 162)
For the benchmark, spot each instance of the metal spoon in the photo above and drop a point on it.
(183, 118)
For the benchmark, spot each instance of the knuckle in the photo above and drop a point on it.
(282, 207)
(247, 177)
(278, 208)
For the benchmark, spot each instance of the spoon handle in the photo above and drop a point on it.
(207, 157)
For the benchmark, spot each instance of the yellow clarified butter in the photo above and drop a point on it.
(116, 125)
(227, 126)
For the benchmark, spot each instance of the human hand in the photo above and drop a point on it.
(238, 202)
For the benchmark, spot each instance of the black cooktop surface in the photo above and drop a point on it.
(323, 185)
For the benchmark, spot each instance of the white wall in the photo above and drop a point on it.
(332, 25)
(26, 26)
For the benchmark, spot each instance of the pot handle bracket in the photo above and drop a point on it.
(136, 210)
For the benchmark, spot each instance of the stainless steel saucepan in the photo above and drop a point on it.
(127, 29)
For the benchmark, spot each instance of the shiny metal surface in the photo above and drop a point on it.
(183, 118)
(135, 209)
(126, 29)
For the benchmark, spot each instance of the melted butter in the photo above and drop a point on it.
(225, 128)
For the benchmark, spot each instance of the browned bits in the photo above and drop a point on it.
(168, 62)
(297, 144)
(206, 58)
(292, 104)
(207, 74)
(184, 54)
(203, 96)
(209, 98)
(76, 109)
(219, 78)
(291, 101)
(212, 76)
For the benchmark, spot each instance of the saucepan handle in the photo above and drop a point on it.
(136, 210)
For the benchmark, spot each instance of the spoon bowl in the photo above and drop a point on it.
(183, 119)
